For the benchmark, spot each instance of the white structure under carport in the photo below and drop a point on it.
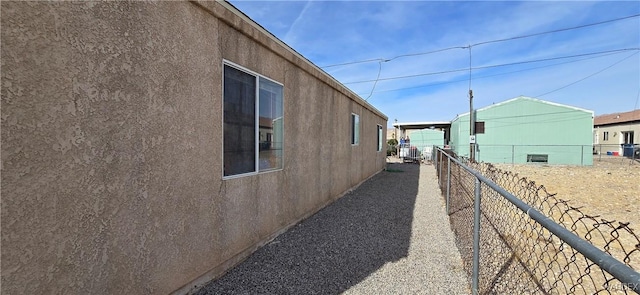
(416, 140)
(402, 130)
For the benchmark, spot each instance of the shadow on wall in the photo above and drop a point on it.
(337, 247)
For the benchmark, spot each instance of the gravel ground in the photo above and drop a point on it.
(389, 236)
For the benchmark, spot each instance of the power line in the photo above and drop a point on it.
(390, 59)
(500, 118)
(558, 30)
(587, 77)
(423, 53)
(354, 62)
(561, 57)
(374, 84)
(493, 75)
(409, 76)
(485, 42)
(492, 66)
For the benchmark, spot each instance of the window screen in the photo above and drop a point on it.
(239, 122)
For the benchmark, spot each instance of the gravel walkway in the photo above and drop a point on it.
(389, 236)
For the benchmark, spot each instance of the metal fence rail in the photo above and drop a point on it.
(571, 154)
(516, 238)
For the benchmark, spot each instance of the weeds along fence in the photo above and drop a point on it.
(516, 238)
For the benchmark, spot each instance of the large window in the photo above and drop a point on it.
(253, 123)
(355, 129)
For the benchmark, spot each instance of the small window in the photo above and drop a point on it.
(355, 129)
(479, 127)
(380, 138)
(605, 136)
(537, 158)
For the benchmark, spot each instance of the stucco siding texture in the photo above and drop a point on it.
(112, 146)
(615, 136)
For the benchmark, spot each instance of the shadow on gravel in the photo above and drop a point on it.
(337, 247)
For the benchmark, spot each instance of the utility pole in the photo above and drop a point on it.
(472, 155)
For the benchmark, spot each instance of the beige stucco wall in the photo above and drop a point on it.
(615, 136)
(111, 146)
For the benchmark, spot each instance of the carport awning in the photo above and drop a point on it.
(423, 125)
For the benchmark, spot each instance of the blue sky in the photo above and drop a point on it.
(417, 70)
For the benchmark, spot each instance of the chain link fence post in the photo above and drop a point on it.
(440, 171)
(476, 239)
(448, 182)
(437, 163)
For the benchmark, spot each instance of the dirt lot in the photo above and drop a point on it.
(610, 188)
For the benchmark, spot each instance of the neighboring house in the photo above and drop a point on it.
(616, 133)
(149, 147)
(525, 130)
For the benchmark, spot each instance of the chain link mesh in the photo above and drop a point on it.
(518, 255)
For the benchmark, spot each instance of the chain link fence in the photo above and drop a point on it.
(554, 154)
(530, 241)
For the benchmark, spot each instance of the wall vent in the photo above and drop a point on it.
(537, 158)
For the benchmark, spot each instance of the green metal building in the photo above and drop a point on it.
(527, 130)
(425, 140)
(427, 137)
